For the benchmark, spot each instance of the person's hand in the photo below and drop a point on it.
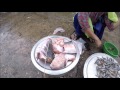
(98, 43)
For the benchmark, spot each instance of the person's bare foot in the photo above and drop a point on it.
(73, 36)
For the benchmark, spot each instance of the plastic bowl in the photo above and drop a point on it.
(110, 49)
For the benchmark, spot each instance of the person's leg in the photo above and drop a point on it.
(99, 28)
(78, 32)
(102, 31)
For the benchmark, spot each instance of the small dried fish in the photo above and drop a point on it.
(107, 68)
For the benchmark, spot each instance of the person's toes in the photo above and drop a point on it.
(73, 36)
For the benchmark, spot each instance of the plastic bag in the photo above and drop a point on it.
(58, 30)
(80, 43)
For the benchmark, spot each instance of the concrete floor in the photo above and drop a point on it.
(19, 31)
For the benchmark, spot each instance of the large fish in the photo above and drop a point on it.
(58, 44)
(59, 62)
(45, 52)
(70, 57)
(69, 47)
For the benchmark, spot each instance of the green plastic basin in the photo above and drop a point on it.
(110, 49)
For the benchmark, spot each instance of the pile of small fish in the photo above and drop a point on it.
(107, 68)
(56, 52)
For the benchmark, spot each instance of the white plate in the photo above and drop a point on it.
(45, 68)
(90, 66)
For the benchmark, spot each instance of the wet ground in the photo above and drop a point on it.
(19, 31)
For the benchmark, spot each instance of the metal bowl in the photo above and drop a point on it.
(89, 70)
(45, 68)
